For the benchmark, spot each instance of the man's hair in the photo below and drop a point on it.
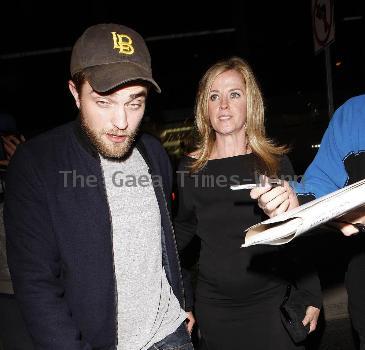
(79, 80)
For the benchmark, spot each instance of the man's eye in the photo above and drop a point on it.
(134, 105)
(102, 103)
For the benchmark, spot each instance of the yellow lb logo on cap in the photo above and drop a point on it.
(123, 43)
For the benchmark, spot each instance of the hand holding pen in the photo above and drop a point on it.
(274, 196)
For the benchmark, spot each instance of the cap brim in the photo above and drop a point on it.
(108, 76)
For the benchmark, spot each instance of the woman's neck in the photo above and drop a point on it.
(229, 146)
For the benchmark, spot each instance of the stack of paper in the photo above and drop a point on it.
(289, 225)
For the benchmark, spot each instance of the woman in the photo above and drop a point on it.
(239, 290)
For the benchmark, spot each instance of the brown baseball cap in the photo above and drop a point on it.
(110, 55)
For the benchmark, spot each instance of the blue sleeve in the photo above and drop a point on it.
(327, 172)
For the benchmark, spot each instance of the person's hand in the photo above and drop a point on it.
(347, 223)
(4, 163)
(190, 321)
(274, 200)
(311, 318)
(11, 142)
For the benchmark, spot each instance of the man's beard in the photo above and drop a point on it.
(108, 149)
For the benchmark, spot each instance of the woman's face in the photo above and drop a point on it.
(227, 104)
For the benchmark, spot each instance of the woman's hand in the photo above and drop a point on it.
(190, 321)
(311, 318)
(274, 200)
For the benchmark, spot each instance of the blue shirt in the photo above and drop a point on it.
(340, 160)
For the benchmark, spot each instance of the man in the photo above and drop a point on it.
(91, 248)
(9, 138)
(339, 162)
(13, 332)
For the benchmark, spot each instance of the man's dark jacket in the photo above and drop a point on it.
(59, 238)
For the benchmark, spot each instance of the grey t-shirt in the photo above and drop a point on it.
(148, 310)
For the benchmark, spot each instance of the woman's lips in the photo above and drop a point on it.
(224, 117)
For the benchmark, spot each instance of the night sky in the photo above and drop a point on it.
(184, 39)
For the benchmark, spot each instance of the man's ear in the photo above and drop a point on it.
(74, 92)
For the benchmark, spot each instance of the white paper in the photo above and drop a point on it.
(289, 225)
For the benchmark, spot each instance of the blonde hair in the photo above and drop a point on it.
(265, 149)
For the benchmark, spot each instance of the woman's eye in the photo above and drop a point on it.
(235, 94)
(213, 97)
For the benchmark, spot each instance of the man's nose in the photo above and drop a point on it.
(120, 119)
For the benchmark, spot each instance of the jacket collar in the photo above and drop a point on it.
(83, 139)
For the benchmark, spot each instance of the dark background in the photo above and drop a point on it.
(184, 39)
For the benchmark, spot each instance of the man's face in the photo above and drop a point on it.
(111, 120)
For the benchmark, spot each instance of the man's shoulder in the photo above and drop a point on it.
(44, 146)
(350, 112)
(355, 101)
(52, 136)
(150, 140)
(152, 145)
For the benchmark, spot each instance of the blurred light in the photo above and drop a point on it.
(353, 18)
(316, 146)
(166, 132)
(172, 143)
(338, 63)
